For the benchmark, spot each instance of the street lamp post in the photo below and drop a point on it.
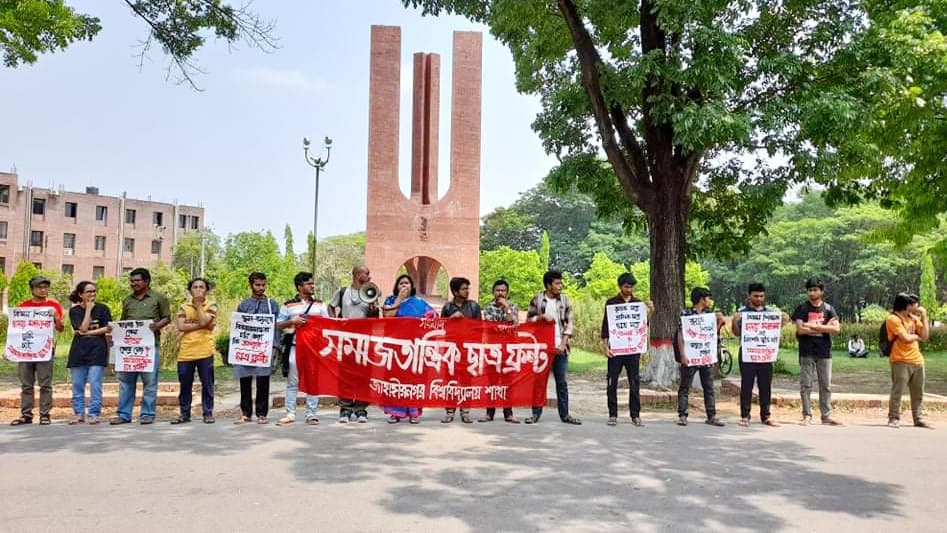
(318, 164)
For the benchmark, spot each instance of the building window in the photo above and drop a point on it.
(182, 221)
(129, 245)
(39, 206)
(157, 218)
(98, 272)
(72, 209)
(100, 242)
(3, 265)
(101, 213)
(36, 238)
(130, 215)
(3, 229)
(68, 269)
(126, 271)
(156, 247)
(69, 242)
(39, 266)
(4, 194)
(195, 222)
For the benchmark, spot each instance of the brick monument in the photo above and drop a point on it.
(423, 233)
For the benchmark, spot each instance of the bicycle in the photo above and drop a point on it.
(724, 358)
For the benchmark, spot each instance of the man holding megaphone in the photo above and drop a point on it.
(359, 300)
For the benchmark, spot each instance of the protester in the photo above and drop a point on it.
(553, 306)
(293, 314)
(460, 306)
(404, 302)
(501, 309)
(89, 353)
(196, 321)
(700, 303)
(762, 373)
(38, 371)
(856, 347)
(816, 321)
(347, 303)
(907, 325)
(256, 304)
(630, 363)
(142, 304)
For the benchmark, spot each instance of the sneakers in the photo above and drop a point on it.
(312, 420)
(829, 421)
(361, 419)
(714, 422)
(894, 423)
(636, 420)
(806, 420)
(682, 420)
(612, 421)
(922, 424)
(344, 418)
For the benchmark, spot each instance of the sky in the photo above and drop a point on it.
(87, 116)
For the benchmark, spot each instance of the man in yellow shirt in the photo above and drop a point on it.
(196, 321)
(907, 326)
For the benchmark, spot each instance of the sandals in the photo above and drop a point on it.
(466, 419)
(242, 420)
(22, 420)
(312, 421)
(448, 418)
(93, 420)
(569, 419)
(744, 422)
(414, 420)
(261, 420)
(511, 420)
(181, 420)
(44, 420)
(393, 419)
(532, 420)
(78, 420)
(209, 419)
(486, 419)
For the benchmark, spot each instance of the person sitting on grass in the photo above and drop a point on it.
(856, 347)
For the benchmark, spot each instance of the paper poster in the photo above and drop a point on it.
(30, 334)
(759, 337)
(699, 336)
(134, 346)
(251, 339)
(627, 328)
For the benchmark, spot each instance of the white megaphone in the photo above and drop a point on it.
(369, 293)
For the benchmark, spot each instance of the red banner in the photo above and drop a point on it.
(434, 362)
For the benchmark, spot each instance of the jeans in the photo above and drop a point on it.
(205, 371)
(93, 376)
(706, 382)
(292, 391)
(128, 381)
(809, 368)
(560, 366)
(912, 377)
(762, 373)
(29, 374)
(630, 363)
(262, 396)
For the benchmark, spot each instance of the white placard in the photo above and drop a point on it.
(699, 336)
(759, 336)
(134, 345)
(251, 339)
(627, 328)
(30, 334)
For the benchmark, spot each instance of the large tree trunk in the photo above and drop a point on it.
(667, 221)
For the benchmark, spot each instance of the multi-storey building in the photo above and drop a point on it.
(87, 234)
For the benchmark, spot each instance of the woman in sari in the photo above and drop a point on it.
(404, 302)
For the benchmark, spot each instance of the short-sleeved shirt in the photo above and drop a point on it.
(89, 350)
(153, 306)
(197, 344)
(470, 309)
(296, 307)
(820, 345)
(494, 313)
(908, 353)
(48, 303)
(256, 306)
(348, 301)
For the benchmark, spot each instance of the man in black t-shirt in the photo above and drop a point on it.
(816, 321)
(701, 303)
(460, 306)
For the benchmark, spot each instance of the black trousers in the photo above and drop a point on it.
(762, 373)
(348, 406)
(629, 363)
(262, 396)
(507, 412)
(706, 381)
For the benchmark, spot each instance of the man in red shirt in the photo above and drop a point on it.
(42, 371)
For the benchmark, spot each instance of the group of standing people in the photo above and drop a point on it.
(815, 322)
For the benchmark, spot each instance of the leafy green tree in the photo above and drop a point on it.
(544, 251)
(928, 291)
(509, 227)
(338, 255)
(32, 27)
(706, 111)
(521, 269)
(602, 276)
(111, 292)
(187, 254)
(20, 283)
(246, 252)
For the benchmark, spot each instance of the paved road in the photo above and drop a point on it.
(463, 478)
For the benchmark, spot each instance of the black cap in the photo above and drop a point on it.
(39, 280)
